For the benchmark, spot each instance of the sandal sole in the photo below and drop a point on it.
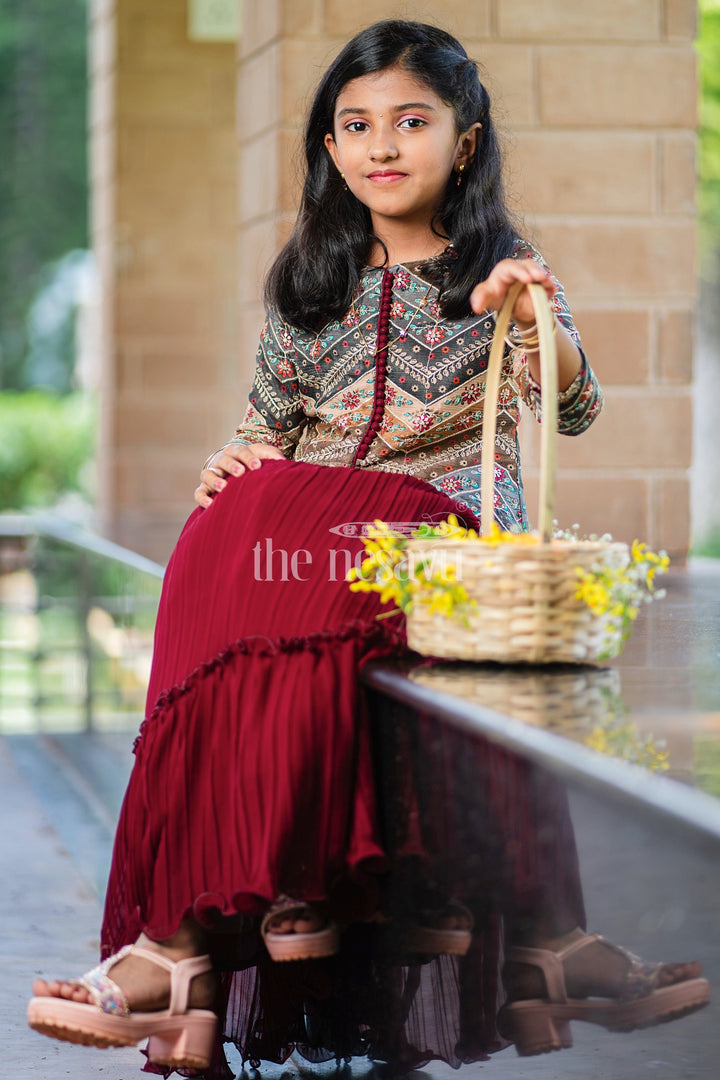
(427, 939)
(183, 1040)
(314, 946)
(54, 1029)
(538, 1027)
(666, 1004)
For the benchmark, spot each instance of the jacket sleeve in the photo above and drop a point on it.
(274, 414)
(579, 403)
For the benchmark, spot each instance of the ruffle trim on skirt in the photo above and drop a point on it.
(379, 638)
(253, 778)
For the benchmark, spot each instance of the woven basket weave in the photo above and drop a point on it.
(569, 699)
(524, 609)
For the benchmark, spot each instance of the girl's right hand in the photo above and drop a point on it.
(232, 460)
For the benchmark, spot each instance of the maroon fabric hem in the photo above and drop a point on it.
(389, 639)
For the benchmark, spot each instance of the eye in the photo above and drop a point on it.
(356, 125)
(411, 122)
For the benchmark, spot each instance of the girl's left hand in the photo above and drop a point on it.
(491, 293)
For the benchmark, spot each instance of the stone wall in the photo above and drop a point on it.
(596, 103)
(165, 219)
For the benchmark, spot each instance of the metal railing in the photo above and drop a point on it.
(77, 615)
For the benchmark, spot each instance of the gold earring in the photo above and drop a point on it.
(342, 177)
(461, 170)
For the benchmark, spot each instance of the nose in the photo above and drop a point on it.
(382, 146)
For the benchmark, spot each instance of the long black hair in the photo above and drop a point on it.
(313, 279)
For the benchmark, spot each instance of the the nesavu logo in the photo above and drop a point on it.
(359, 529)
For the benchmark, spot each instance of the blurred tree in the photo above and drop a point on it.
(709, 196)
(46, 446)
(43, 150)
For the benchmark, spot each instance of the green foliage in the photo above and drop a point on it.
(43, 150)
(708, 545)
(707, 763)
(46, 442)
(708, 46)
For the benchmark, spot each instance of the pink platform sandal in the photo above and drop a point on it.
(446, 931)
(294, 945)
(540, 1025)
(178, 1036)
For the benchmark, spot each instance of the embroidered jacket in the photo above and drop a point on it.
(313, 393)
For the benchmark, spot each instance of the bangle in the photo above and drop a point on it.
(526, 333)
(214, 454)
(529, 340)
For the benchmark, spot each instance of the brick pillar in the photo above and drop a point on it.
(605, 161)
(165, 227)
(101, 62)
(597, 102)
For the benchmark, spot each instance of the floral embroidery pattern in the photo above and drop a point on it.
(306, 407)
(284, 369)
(422, 422)
(472, 393)
(434, 335)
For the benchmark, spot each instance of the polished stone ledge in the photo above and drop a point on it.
(643, 731)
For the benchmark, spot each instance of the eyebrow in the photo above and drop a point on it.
(393, 108)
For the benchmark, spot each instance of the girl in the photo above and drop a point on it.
(254, 793)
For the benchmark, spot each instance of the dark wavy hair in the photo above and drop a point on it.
(314, 278)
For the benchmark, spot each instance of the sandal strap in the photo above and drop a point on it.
(578, 945)
(182, 973)
(106, 994)
(640, 979)
(641, 976)
(284, 905)
(551, 966)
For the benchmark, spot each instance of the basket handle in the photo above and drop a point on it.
(548, 427)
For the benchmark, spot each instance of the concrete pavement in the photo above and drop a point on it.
(58, 798)
(49, 921)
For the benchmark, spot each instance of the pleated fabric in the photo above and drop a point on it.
(263, 769)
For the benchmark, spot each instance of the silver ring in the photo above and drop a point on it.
(211, 468)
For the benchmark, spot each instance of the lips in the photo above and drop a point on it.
(386, 176)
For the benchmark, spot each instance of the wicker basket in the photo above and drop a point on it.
(525, 608)
(570, 700)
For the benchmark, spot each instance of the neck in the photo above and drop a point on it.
(405, 245)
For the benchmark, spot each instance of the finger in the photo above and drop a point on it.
(254, 453)
(481, 298)
(541, 276)
(266, 450)
(213, 479)
(203, 497)
(233, 460)
(490, 294)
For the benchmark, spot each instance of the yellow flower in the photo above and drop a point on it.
(597, 740)
(500, 536)
(614, 593)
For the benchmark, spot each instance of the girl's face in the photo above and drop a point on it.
(397, 144)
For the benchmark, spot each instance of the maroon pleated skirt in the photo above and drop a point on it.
(262, 768)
